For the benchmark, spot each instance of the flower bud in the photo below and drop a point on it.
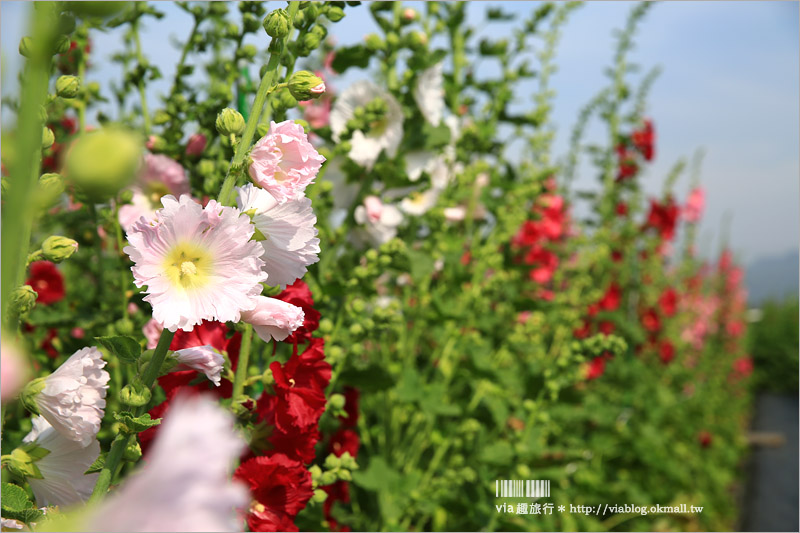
(57, 248)
(102, 162)
(319, 496)
(68, 86)
(135, 394)
(327, 478)
(47, 137)
(248, 51)
(51, 184)
(62, 45)
(160, 117)
(249, 22)
(335, 14)
(133, 452)
(306, 86)
(409, 15)
(26, 47)
(230, 122)
(277, 24)
(336, 401)
(393, 40)
(23, 299)
(374, 42)
(66, 23)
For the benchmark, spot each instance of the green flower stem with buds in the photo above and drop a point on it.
(140, 83)
(17, 215)
(226, 194)
(121, 441)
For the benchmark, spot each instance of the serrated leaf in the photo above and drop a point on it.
(14, 498)
(97, 465)
(135, 424)
(31, 514)
(126, 348)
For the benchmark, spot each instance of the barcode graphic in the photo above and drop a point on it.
(522, 488)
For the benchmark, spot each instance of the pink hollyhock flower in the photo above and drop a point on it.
(743, 366)
(693, 209)
(13, 368)
(160, 176)
(152, 332)
(205, 359)
(286, 230)
(273, 318)
(197, 263)
(284, 162)
(196, 145)
(380, 220)
(185, 484)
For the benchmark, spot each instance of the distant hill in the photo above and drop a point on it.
(772, 277)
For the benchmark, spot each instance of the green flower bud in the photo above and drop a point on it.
(327, 478)
(68, 86)
(336, 401)
(284, 101)
(28, 395)
(417, 40)
(276, 24)
(335, 14)
(66, 23)
(306, 86)
(26, 47)
(249, 22)
(51, 186)
(135, 394)
(133, 452)
(232, 30)
(102, 162)
(319, 496)
(299, 20)
(47, 137)
(161, 117)
(62, 45)
(310, 11)
(230, 122)
(22, 461)
(23, 299)
(57, 248)
(248, 51)
(310, 42)
(332, 462)
(392, 40)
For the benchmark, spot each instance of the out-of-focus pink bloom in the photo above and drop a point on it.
(77, 333)
(196, 144)
(693, 209)
(13, 368)
(159, 177)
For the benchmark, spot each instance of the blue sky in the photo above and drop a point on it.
(730, 84)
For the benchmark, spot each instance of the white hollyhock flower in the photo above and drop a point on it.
(274, 319)
(63, 481)
(287, 232)
(198, 263)
(72, 398)
(429, 93)
(418, 203)
(380, 220)
(205, 359)
(185, 485)
(386, 135)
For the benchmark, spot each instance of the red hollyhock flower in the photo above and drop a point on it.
(596, 368)
(47, 281)
(627, 163)
(666, 351)
(583, 331)
(705, 439)
(734, 328)
(663, 217)
(351, 395)
(345, 440)
(650, 321)
(295, 444)
(300, 295)
(622, 209)
(644, 140)
(527, 235)
(546, 263)
(299, 387)
(47, 343)
(606, 327)
(668, 302)
(610, 300)
(337, 492)
(743, 366)
(280, 486)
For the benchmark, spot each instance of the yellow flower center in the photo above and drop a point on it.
(188, 266)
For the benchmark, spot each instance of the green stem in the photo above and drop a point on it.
(82, 103)
(98, 250)
(121, 441)
(244, 362)
(142, 95)
(226, 194)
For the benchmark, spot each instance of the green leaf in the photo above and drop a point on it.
(132, 424)
(31, 514)
(14, 498)
(422, 264)
(351, 56)
(97, 465)
(372, 378)
(126, 348)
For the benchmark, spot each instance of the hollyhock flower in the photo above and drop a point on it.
(668, 302)
(650, 321)
(666, 351)
(627, 163)
(14, 368)
(455, 214)
(8, 524)
(611, 299)
(152, 332)
(429, 93)
(705, 439)
(284, 162)
(280, 488)
(72, 398)
(644, 140)
(160, 175)
(344, 441)
(47, 281)
(419, 203)
(743, 366)
(380, 220)
(298, 445)
(546, 263)
(384, 135)
(693, 210)
(300, 295)
(734, 328)
(337, 492)
(606, 327)
(286, 230)
(663, 217)
(622, 209)
(196, 145)
(317, 112)
(185, 483)
(205, 359)
(63, 481)
(584, 331)
(273, 319)
(197, 263)
(48, 345)
(596, 368)
(300, 386)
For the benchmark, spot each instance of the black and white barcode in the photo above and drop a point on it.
(522, 488)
